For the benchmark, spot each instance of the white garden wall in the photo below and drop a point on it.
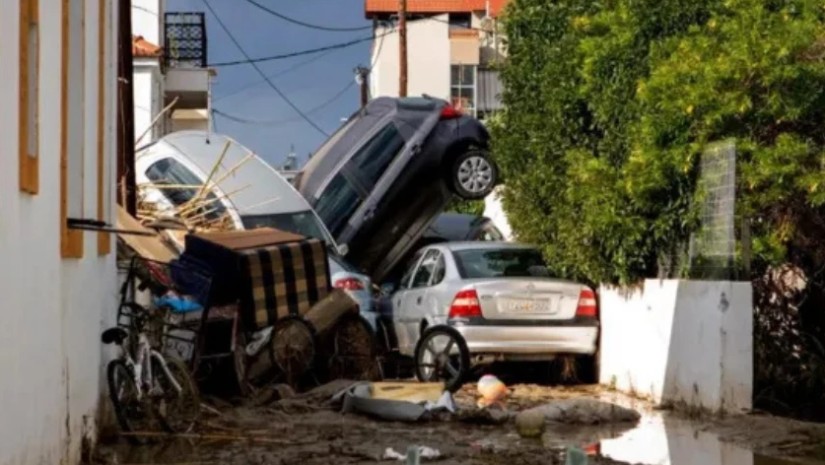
(680, 342)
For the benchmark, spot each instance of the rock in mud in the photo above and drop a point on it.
(579, 412)
(530, 423)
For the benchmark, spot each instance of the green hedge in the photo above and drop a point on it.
(610, 103)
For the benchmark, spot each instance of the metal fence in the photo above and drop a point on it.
(185, 39)
(713, 247)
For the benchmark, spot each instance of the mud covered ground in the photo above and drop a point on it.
(305, 431)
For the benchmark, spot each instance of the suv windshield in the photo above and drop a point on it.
(303, 223)
(499, 263)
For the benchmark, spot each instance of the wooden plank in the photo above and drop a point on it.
(152, 248)
(407, 391)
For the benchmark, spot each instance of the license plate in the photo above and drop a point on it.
(527, 306)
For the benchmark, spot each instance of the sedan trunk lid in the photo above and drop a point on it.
(528, 299)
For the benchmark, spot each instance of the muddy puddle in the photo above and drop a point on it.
(268, 436)
(662, 440)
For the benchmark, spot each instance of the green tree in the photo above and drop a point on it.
(609, 105)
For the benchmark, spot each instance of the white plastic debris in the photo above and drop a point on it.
(424, 452)
(259, 340)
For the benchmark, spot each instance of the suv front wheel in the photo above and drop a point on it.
(473, 175)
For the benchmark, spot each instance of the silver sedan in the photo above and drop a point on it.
(499, 297)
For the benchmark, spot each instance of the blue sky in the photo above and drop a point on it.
(308, 86)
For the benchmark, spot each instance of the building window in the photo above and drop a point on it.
(460, 21)
(463, 88)
(104, 245)
(29, 96)
(72, 64)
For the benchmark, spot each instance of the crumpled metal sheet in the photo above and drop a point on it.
(357, 399)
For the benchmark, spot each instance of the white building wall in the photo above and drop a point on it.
(682, 342)
(428, 60)
(147, 21)
(147, 98)
(53, 308)
(147, 18)
(494, 210)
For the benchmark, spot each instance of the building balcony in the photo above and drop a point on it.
(185, 38)
(185, 60)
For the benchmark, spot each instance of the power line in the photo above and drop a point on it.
(325, 48)
(305, 24)
(273, 76)
(294, 54)
(321, 106)
(278, 122)
(263, 75)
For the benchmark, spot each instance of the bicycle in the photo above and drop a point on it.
(149, 391)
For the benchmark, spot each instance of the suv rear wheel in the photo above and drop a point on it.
(473, 175)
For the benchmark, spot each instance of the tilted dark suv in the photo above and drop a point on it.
(382, 178)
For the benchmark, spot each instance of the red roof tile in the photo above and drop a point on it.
(141, 48)
(373, 7)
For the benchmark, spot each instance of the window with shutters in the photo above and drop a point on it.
(103, 185)
(72, 103)
(29, 77)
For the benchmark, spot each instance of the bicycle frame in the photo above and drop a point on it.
(141, 365)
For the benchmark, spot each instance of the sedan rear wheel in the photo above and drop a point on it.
(442, 355)
(474, 175)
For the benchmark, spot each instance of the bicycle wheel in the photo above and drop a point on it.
(133, 414)
(179, 410)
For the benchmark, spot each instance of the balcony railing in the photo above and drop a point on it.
(185, 37)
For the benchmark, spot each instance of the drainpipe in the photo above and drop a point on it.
(127, 192)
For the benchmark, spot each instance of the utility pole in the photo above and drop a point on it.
(362, 77)
(402, 45)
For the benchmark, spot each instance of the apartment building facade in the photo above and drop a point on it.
(170, 68)
(57, 163)
(452, 49)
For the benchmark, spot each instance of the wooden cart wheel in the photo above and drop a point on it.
(352, 353)
(442, 355)
(293, 347)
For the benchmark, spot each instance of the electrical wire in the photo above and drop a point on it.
(273, 76)
(305, 24)
(282, 56)
(325, 48)
(321, 106)
(263, 75)
(144, 9)
(282, 121)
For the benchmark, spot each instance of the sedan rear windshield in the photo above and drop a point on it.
(499, 263)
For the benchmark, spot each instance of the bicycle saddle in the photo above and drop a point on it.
(116, 335)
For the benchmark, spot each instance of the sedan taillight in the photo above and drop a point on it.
(450, 112)
(349, 284)
(465, 305)
(587, 304)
